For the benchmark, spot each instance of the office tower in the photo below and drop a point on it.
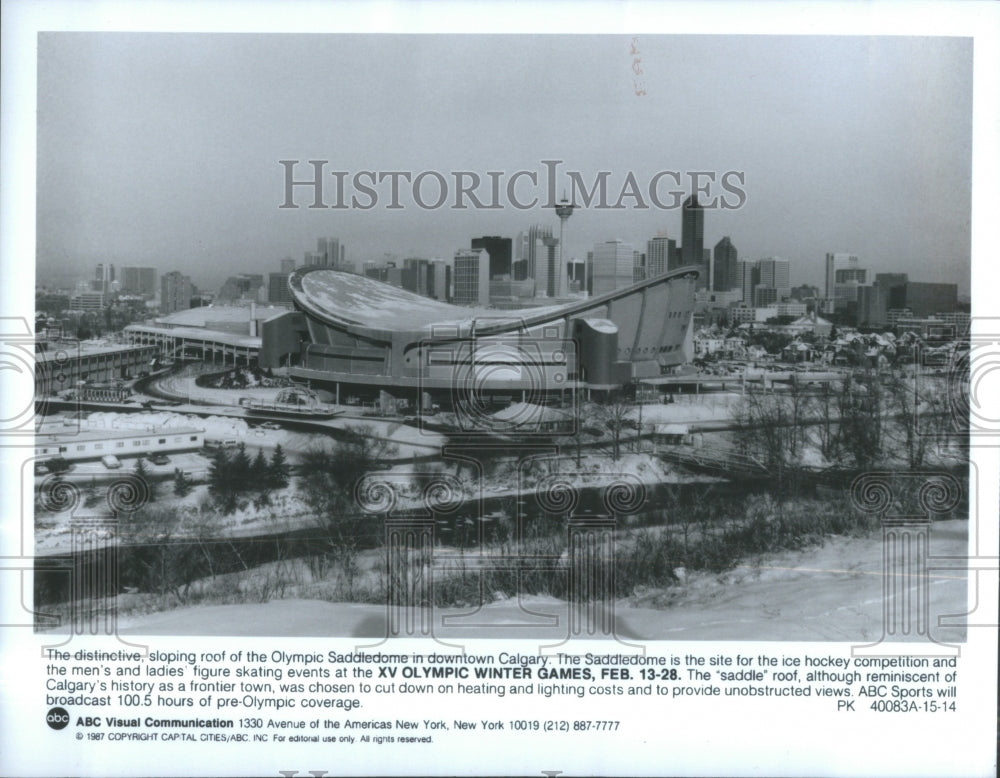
(764, 296)
(843, 277)
(287, 265)
(331, 251)
(175, 292)
(528, 244)
(748, 276)
(549, 272)
(277, 289)
(847, 282)
(500, 251)
(692, 232)
(471, 277)
(660, 255)
(835, 262)
(100, 281)
(415, 275)
(804, 292)
(612, 266)
(925, 299)
(724, 267)
(774, 274)
(242, 287)
(139, 280)
(638, 267)
(439, 280)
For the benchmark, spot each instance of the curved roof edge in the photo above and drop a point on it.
(433, 312)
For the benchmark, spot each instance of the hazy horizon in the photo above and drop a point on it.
(163, 149)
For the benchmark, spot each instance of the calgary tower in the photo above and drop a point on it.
(563, 210)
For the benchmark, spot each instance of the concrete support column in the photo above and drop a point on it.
(591, 576)
(94, 582)
(409, 548)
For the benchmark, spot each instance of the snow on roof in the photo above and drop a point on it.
(58, 351)
(603, 325)
(819, 321)
(197, 317)
(354, 299)
(529, 413)
(198, 334)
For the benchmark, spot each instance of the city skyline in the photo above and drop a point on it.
(144, 162)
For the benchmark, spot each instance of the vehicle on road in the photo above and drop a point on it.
(158, 458)
(58, 465)
(111, 462)
(227, 443)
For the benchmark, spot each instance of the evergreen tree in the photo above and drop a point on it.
(259, 479)
(182, 486)
(220, 481)
(258, 470)
(143, 474)
(278, 471)
(240, 471)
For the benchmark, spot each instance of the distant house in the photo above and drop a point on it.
(672, 434)
(811, 323)
(797, 351)
(536, 418)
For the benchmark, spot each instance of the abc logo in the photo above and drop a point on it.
(57, 718)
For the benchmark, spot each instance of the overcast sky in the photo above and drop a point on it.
(163, 149)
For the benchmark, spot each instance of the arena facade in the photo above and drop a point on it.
(364, 337)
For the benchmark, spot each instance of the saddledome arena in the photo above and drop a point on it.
(364, 337)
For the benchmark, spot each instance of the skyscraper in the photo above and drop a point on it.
(550, 273)
(724, 266)
(439, 280)
(175, 292)
(660, 253)
(527, 246)
(287, 265)
(774, 274)
(835, 262)
(499, 250)
(331, 251)
(612, 266)
(472, 277)
(748, 276)
(639, 268)
(139, 280)
(277, 289)
(692, 232)
(416, 275)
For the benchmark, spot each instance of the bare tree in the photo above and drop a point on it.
(861, 412)
(828, 425)
(328, 478)
(905, 403)
(615, 414)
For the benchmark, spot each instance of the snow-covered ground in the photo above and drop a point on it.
(830, 593)
(409, 440)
